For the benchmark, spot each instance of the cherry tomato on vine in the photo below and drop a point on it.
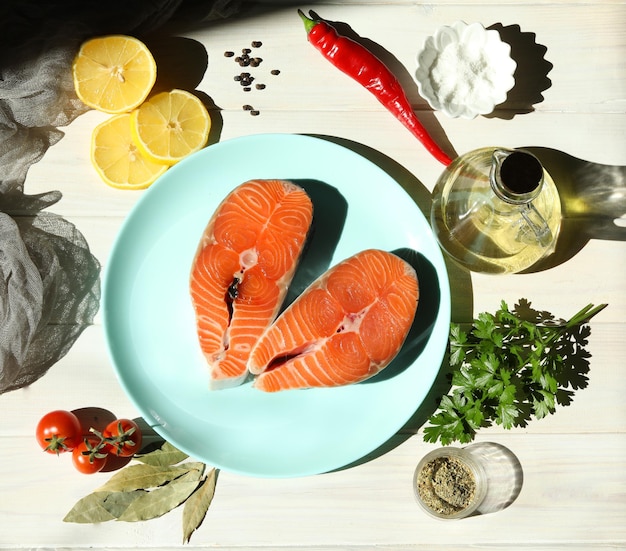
(59, 431)
(123, 437)
(88, 457)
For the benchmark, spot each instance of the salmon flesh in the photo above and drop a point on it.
(345, 327)
(242, 269)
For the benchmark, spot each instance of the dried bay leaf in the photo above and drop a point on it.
(101, 507)
(157, 502)
(136, 477)
(144, 477)
(117, 502)
(197, 505)
(164, 456)
(159, 483)
(90, 510)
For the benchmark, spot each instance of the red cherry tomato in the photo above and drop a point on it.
(123, 437)
(59, 431)
(88, 457)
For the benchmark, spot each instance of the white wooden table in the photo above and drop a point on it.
(574, 472)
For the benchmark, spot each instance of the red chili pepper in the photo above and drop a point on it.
(363, 66)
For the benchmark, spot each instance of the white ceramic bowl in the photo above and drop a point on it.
(465, 70)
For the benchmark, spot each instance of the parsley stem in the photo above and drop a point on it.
(584, 315)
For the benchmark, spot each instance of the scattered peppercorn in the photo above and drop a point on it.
(254, 112)
(245, 79)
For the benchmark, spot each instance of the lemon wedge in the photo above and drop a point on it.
(113, 73)
(170, 125)
(117, 159)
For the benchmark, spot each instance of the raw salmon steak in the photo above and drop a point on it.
(344, 328)
(244, 264)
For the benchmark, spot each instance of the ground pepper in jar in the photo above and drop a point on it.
(446, 485)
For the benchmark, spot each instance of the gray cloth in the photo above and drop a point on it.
(49, 288)
(49, 280)
(21, 287)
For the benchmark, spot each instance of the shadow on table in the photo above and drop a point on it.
(593, 203)
(504, 474)
(531, 74)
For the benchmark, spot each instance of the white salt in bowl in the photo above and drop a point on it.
(465, 70)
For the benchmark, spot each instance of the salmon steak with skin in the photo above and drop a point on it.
(242, 269)
(344, 328)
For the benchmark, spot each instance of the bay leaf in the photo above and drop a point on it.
(195, 465)
(164, 456)
(90, 509)
(157, 502)
(117, 502)
(144, 477)
(197, 505)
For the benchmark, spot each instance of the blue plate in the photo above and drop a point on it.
(150, 326)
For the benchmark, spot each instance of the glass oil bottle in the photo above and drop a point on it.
(496, 210)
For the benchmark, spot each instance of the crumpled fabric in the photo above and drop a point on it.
(21, 287)
(36, 97)
(49, 280)
(49, 288)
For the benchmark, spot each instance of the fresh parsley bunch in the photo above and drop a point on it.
(509, 367)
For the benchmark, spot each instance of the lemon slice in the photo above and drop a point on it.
(117, 159)
(170, 126)
(113, 73)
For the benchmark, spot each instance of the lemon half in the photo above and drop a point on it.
(118, 160)
(113, 73)
(170, 125)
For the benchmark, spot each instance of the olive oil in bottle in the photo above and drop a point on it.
(496, 210)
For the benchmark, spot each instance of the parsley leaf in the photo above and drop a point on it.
(510, 367)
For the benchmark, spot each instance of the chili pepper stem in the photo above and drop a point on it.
(309, 23)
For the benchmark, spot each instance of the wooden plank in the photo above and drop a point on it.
(368, 505)
(86, 378)
(376, 135)
(397, 33)
(294, 102)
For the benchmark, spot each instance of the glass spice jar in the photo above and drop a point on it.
(449, 483)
